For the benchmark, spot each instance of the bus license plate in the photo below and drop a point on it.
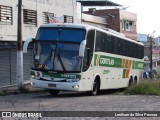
(51, 85)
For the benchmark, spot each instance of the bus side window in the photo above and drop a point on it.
(90, 40)
(136, 51)
(98, 42)
(108, 44)
(88, 49)
(130, 48)
(100, 38)
(86, 59)
(120, 46)
(141, 52)
(124, 48)
(115, 50)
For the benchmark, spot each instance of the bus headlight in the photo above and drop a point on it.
(72, 80)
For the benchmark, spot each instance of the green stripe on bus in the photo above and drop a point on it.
(95, 59)
(124, 73)
(57, 75)
(137, 65)
(126, 65)
(107, 61)
(133, 64)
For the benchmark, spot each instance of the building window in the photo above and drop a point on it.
(5, 14)
(30, 17)
(68, 19)
(128, 25)
(46, 17)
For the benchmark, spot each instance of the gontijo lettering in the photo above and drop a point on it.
(107, 61)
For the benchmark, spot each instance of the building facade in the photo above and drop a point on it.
(155, 53)
(119, 20)
(34, 14)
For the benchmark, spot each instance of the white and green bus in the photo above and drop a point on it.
(75, 57)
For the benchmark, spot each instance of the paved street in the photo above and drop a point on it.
(79, 102)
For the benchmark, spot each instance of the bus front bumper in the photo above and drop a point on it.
(66, 86)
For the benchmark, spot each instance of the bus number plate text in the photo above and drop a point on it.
(51, 85)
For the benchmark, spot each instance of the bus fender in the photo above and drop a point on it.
(95, 86)
(96, 76)
(131, 80)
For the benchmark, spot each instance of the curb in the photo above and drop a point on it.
(12, 89)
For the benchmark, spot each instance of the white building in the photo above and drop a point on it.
(35, 13)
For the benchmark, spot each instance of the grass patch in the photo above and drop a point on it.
(145, 87)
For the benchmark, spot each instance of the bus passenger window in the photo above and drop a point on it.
(89, 49)
(115, 51)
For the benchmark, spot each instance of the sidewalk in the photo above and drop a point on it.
(12, 89)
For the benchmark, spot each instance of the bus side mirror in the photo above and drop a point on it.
(26, 43)
(82, 48)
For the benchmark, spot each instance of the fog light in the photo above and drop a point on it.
(32, 76)
(77, 86)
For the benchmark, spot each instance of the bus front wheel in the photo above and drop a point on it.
(94, 90)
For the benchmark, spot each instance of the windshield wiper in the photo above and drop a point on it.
(58, 47)
(63, 67)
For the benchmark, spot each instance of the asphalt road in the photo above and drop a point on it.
(81, 102)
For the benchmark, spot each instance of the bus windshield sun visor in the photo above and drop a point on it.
(61, 34)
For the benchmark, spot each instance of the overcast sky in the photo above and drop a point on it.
(148, 14)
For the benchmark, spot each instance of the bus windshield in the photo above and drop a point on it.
(57, 49)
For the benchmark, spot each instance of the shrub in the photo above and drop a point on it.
(146, 87)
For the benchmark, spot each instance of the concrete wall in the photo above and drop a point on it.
(58, 7)
(94, 20)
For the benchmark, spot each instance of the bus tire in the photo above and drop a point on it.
(54, 92)
(135, 80)
(130, 81)
(95, 88)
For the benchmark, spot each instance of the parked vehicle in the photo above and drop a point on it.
(145, 75)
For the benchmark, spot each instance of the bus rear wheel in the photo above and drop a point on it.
(54, 92)
(94, 89)
(133, 81)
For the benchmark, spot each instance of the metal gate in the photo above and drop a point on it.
(8, 65)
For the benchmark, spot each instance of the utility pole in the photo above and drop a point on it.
(151, 61)
(20, 84)
(151, 53)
